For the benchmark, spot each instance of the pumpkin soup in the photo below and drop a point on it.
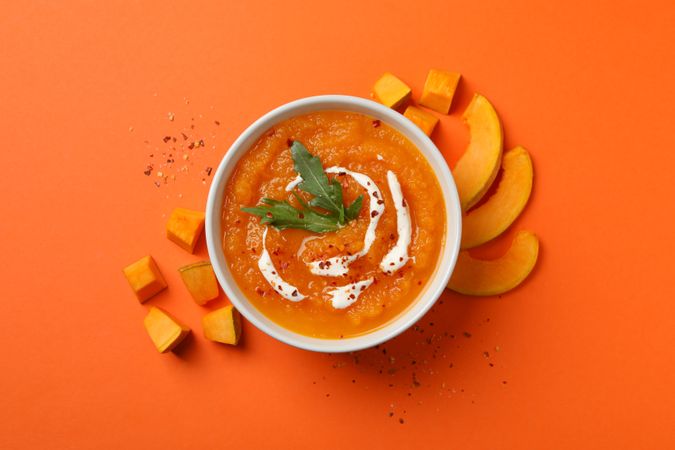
(333, 223)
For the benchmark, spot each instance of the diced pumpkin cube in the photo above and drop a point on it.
(144, 278)
(426, 121)
(165, 331)
(391, 92)
(200, 281)
(439, 89)
(184, 227)
(223, 325)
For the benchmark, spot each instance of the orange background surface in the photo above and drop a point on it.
(580, 356)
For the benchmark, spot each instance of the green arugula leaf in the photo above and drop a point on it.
(327, 194)
(282, 215)
(352, 211)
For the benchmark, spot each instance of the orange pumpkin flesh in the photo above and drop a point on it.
(480, 277)
(490, 219)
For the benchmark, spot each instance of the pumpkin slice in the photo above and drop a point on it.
(490, 219)
(479, 277)
(477, 168)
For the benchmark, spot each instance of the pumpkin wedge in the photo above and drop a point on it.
(165, 331)
(223, 325)
(490, 219)
(477, 168)
(200, 280)
(480, 277)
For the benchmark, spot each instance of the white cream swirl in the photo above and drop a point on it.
(397, 257)
(266, 266)
(344, 296)
(339, 265)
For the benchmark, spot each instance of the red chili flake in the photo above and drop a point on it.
(166, 139)
(157, 184)
(467, 334)
(208, 171)
(392, 237)
(216, 122)
(294, 293)
(380, 202)
(148, 170)
(486, 354)
(401, 421)
(269, 214)
(391, 414)
(403, 203)
(201, 144)
(375, 194)
(352, 296)
(376, 123)
(191, 146)
(174, 139)
(373, 213)
(185, 136)
(289, 142)
(301, 216)
(280, 288)
(400, 260)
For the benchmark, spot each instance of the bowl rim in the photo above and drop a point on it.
(435, 285)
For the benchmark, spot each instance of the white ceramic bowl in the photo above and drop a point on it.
(448, 257)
